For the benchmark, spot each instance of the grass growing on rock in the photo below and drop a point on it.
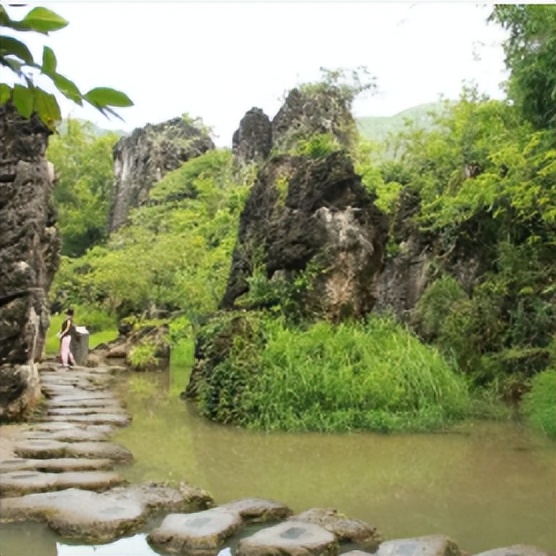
(335, 378)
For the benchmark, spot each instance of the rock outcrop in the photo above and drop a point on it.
(252, 141)
(307, 112)
(315, 212)
(29, 257)
(144, 157)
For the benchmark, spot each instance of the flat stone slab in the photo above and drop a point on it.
(515, 550)
(45, 449)
(196, 533)
(433, 545)
(62, 426)
(101, 419)
(356, 553)
(57, 465)
(84, 396)
(258, 510)
(66, 435)
(17, 483)
(99, 410)
(291, 537)
(92, 402)
(344, 529)
(95, 517)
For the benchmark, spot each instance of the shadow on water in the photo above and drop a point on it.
(487, 485)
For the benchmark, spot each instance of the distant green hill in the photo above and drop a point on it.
(377, 128)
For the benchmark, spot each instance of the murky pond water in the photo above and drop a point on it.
(486, 485)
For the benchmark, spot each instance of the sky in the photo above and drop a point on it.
(218, 59)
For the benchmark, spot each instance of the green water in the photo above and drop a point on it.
(488, 485)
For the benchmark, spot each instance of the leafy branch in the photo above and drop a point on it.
(28, 98)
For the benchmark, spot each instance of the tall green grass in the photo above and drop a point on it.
(371, 376)
(539, 404)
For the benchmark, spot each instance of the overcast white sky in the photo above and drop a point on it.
(216, 60)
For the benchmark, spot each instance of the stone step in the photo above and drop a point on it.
(200, 532)
(45, 449)
(56, 465)
(100, 517)
(18, 483)
(102, 419)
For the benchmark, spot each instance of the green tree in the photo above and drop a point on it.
(84, 170)
(26, 96)
(530, 56)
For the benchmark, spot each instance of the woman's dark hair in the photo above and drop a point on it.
(69, 312)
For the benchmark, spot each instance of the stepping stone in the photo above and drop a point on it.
(95, 517)
(56, 465)
(68, 435)
(100, 402)
(195, 533)
(73, 411)
(18, 483)
(344, 529)
(82, 396)
(103, 419)
(357, 553)
(49, 426)
(258, 510)
(290, 537)
(515, 550)
(433, 545)
(45, 449)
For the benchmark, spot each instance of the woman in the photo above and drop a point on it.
(65, 340)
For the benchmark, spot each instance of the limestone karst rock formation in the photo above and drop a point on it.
(29, 257)
(145, 156)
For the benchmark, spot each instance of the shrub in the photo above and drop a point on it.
(539, 404)
(353, 376)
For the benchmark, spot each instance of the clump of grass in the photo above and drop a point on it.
(539, 404)
(353, 376)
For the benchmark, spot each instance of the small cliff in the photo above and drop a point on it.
(302, 212)
(29, 257)
(144, 157)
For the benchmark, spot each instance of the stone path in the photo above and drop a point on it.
(63, 474)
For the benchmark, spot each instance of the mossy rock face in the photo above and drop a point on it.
(213, 348)
(144, 157)
(313, 110)
(312, 215)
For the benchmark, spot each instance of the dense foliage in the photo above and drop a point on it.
(353, 376)
(84, 178)
(483, 178)
(175, 253)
